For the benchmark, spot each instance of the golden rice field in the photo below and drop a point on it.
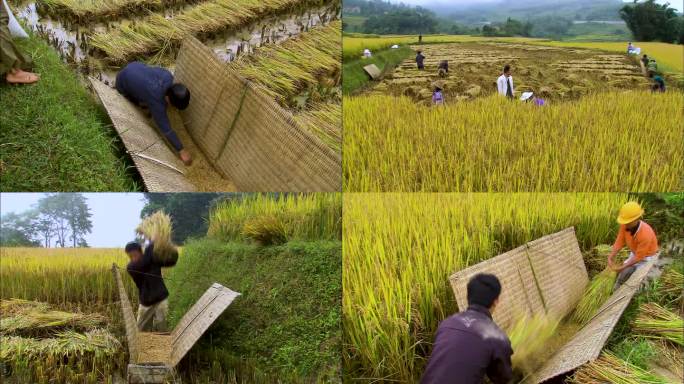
(315, 216)
(629, 141)
(399, 250)
(66, 280)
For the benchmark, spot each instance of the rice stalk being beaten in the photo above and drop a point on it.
(608, 368)
(529, 336)
(656, 322)
(157, 228)
(156, 32)
(265, 230)
(599, 290)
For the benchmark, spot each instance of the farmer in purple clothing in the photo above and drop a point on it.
(153, 88)
(437, 96)
(469, 345)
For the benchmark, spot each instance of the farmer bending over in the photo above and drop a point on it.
(419, 60)
(153, 87)
(13, 62)
(152, 293)
(504, 83)
(638, 236)
(658, 83)
(469, 345)
(443, 69)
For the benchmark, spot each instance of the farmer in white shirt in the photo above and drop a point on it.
(505, 83)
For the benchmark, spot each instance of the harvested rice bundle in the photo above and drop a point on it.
(672, 284)
(529, 335)
(43, 322)
(596, 260)
(324, 121)
(657, 322)
(610, 369)
(265, 230)
(11, 307)
(157, 228)
(669, 357)
(599, 290)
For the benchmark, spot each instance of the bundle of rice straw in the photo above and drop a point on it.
(598, 291)
(529, 336)
(157, 228)
(265, 230)
(654, 321)
(608, 368)
(672, 284)
(41, 323)
(596, 259)
(669, 357)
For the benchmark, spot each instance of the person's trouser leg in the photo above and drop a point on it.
(145, 318)
(623, 276)
(161, 310)
(10, 57)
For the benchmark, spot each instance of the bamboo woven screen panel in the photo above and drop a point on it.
(152, 156)
(517, 282)
(249, 138)
(559, 269)
(129, 319)
(372, 71)
(190, 328)
(587, 344)
(198, 319)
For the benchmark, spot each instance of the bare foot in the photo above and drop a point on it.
(186, 157)
(17, 76)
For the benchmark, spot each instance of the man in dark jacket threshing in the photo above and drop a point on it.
(152, 293)
(469, 345)
(153, 88)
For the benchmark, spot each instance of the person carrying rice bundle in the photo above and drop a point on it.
(638, 236)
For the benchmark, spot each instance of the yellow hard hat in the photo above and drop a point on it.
(629, 212)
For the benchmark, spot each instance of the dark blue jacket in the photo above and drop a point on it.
(468, 346)
(148, 278)
(147, 86)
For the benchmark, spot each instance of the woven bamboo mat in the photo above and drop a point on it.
(159, 167)
(246, 135)
(587, 344)
(171, 348)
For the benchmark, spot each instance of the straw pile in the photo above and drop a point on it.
(529, 336)
(265, 230)
(324, 121)
(670, 358)
(157, 228)
(599, 290)
(610, 369)
(672, 284)
(656, 322)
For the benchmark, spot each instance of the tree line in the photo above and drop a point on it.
(56, 220)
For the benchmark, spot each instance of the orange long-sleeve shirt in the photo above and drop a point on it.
(644, 242)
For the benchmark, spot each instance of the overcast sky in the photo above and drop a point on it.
(674, 3)
(115, 215)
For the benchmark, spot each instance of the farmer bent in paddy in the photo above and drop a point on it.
(152, 293)
(638, 236)
(153, 88)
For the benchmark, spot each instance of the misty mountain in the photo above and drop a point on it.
(500, 10)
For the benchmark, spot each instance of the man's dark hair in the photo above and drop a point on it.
(133, 246)
(483, 289)
(507, 68)
(179, 96)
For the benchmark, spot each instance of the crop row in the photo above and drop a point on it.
(491, 144)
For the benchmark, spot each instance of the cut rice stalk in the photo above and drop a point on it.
(265, 230)
(608, 368)
(599, 290)
(657, 322)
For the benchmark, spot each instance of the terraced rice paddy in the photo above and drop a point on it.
(550, 72)
(61, 305)
(400, 249)
(303, 74)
